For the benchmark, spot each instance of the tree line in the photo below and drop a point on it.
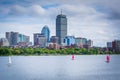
(5, 51)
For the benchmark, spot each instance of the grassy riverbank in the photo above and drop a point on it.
(43, 51)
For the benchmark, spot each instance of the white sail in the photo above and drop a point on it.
(9, 60)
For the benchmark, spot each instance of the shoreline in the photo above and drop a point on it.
(61, 55)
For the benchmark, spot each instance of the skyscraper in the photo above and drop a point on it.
(46, 32)
(8, 36)
(61, 28)
(12, 37)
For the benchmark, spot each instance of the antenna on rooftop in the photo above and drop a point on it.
(61, 11)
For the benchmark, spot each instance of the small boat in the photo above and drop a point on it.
(73, 57)
(107, 58)
(9, 60)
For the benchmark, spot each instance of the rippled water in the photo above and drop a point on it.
(84, 67)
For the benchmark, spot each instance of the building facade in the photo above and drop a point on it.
(84, 41)
(116, 45)
(14, 38)
(39, 40)
(78, 42)
(54, 39)
(24, 40)
(90, 43)
(4, 42)
(109, 44)
(61, 28)
(69, 40)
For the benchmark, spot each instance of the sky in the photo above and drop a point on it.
(98, 20)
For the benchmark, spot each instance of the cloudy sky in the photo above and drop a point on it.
(98, 20)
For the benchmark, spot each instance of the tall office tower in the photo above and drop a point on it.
(46, 32)
(61, 28)
(8, 36)
(13, 37)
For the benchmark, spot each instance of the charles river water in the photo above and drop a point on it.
(84, 67)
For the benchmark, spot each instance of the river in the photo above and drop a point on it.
(83, 67)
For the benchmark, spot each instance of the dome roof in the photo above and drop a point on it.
(45, 28)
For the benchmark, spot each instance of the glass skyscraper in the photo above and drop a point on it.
(61, 28)
(46, 32)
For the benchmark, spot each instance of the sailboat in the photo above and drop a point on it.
(9, 60)
(107, 58)
(73, 57)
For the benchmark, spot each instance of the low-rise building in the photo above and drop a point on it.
(39, 40)
(4, 42)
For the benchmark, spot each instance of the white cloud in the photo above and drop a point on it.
(84, 20)
(36, 10)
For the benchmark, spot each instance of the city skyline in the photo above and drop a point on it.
(96, 20)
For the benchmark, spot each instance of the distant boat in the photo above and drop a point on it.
(107, 58)
(9, 60)
(73, 56)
